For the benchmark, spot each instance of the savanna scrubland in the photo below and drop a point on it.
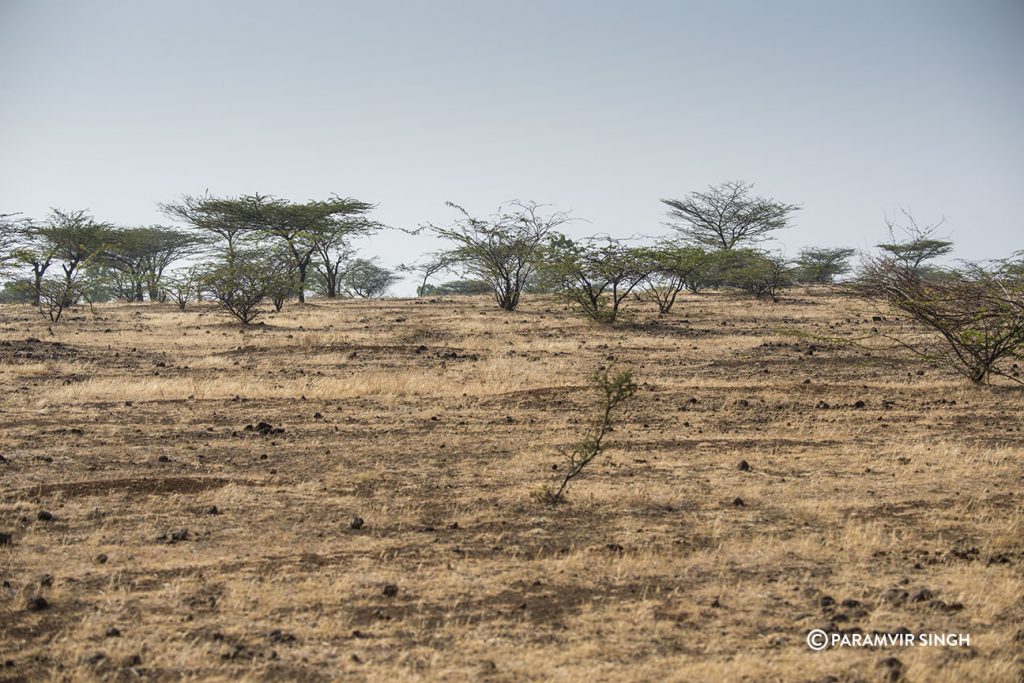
(346, 491)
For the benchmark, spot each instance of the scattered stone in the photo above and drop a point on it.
(6, 539)
(716, 603)
(850, 603)
(101, 559)
(37, 604)
(743, 403)
(113, 632)
(744, 466)
(827, 602)
(822, 405)
(615, 547)
(893, 668)
(279, 636)
(173, 536)
(968, 554)
(44, 516)
(453, 525)
(357, 523)
(921, 595)
(738, 502)
(163, 458)
(859, 404)
(46, 580)
(390, 590)
(212, 510)
(947, 607)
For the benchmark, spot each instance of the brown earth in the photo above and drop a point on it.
(883, 493)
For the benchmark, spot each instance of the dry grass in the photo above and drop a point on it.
(434, 422)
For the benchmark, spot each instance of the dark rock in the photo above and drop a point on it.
(850, 603)
(896, 596)
(44, 516)
(37, 604)
(822, 405)
(113, 632)
(615, 547)
(390, 590)
(46, 580)
(173, 536)
(921, 595)
(279, 636)
(357, 523)
(744, 466)
(859, 404)
(893, 669)
(163, 458)
(827, 602)
(743, 403)
(6, 539)
(101, 559)
(947, 607)
(212, 510)
(738, 502)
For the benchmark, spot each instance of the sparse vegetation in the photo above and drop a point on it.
(727, 217)
(503, 250)
(615, 388)
(596, 275)
(977, 311)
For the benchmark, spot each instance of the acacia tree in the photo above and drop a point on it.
(919, 245)
(976, 310)
(75, 239)
(763, 274)
(503, 250)
(216, 218)
(820, 265)
(140, 255)
(431, 265)
(726, 216)
(333, 251)
(305, 228)
(596, 274)
(674, 268)
(367, 280)
(32, 250)
(181, 286)
(241, 283)
(9, 230)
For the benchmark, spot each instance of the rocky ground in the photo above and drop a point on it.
(347, 491)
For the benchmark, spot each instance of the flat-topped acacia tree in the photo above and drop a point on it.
(726, 216)
(308, 231)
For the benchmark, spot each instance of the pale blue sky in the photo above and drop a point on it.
(852, 108)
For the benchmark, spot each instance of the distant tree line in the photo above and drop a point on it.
(247, 252)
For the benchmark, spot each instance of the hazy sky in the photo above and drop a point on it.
(852, 108)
